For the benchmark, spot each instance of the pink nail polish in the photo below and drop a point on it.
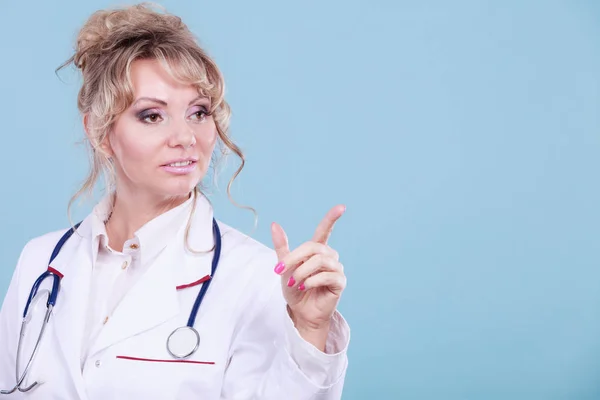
(301, 287)
(279, 267)
(291, 282)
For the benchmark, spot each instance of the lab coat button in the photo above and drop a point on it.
(124, 265)
(98, 363)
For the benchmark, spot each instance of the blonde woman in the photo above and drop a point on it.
(151, 297)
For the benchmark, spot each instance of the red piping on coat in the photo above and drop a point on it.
(199, 281)
(167, 361)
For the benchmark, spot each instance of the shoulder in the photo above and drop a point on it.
(33, 259)
(40, 245)
(36, 252)
(235, 242)
(245, 254)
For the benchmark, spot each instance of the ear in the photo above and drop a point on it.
(105, 145)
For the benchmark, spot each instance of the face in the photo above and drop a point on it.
(161, 146)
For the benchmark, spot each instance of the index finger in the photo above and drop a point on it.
(325, 227)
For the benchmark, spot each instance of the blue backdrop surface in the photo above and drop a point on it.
(462, 136)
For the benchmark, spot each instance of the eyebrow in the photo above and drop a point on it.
(164, 103)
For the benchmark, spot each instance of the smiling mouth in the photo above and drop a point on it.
(180, 164)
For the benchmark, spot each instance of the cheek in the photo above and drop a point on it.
(132, 153)
(207, 139)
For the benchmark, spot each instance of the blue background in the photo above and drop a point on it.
(463, 137)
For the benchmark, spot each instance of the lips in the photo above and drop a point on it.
(180, 167)
(180, 162)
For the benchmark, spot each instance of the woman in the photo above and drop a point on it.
(153, 112)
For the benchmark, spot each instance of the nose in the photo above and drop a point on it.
(182, 136)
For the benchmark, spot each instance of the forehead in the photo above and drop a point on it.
(150, 78)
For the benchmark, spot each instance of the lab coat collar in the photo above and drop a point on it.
(150, 239)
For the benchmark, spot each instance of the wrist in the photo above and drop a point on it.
(314, 333)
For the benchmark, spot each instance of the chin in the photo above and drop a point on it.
(177, 189)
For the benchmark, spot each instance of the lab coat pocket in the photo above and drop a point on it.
(159, 376)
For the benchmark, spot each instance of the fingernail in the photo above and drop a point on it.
(301, 287)
(291, 282)
(279, 267)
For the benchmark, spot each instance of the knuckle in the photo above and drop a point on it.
(306, 247)
(331, 263)
(335, 254)
(321, 248)
(322, 259)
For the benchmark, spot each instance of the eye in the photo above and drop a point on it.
(200, 114)
(152, 118)
(149, 117)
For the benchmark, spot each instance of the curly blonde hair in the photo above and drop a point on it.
(107, 45)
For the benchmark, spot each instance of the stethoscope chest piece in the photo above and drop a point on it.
(183, 342)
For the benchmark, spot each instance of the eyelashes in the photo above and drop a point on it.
(152, 116)
(149, 117)
(202, 113)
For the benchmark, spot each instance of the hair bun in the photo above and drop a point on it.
(106, 29)
(91, 35)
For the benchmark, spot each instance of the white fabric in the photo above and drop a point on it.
(249, 348)
(115, 272)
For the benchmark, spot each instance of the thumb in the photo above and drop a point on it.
(280, 241)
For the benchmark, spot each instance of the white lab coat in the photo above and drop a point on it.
(246, 334)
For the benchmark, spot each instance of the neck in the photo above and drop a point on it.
(133, 210)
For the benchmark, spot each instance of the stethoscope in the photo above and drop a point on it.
(181, 343)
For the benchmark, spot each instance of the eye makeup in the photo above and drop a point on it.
(198, 112)
(149, 116)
